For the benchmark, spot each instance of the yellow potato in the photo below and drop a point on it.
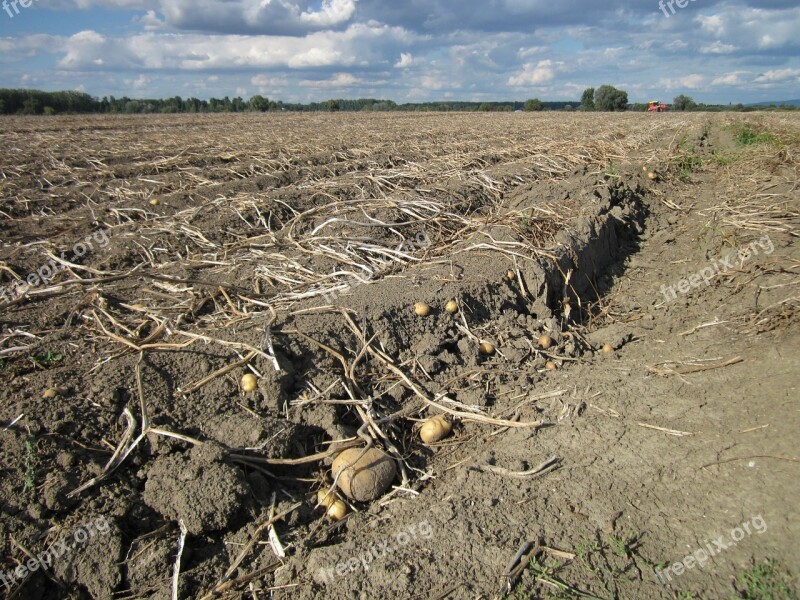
(435, 429)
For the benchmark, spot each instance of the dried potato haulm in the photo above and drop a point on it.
(363, 478)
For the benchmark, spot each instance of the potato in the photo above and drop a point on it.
(545, 341)
(368, 478)
(421, 309)
(451, 307)
(337, 510)
(486, 348)
(249, 382)
(435, 429)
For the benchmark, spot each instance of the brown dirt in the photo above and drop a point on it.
(660, 454)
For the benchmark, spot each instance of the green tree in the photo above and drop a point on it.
(533, 105)
(609, 98)
(332, 105)
(684, 103)
(485, 107)
(30, 107)
(259, 103)
(587, 100)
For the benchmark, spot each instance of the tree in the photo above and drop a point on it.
(609, 98)
(259, 103)
(332, 105)
(485, 107)
(684, 103)
(587, 100)
(568, 107)
(30, 107)
(533, 105)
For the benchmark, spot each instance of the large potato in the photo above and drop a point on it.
(368, 478)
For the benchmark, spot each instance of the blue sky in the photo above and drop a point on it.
(296, 50)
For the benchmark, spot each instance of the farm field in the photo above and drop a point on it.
(619, 365)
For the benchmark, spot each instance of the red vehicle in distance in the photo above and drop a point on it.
(656, 106)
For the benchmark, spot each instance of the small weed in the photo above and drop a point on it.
(765, 581)
(584, 552)
(545, 574)
(687, 163)
(747, 136)
(611, 172)
(722, 161)
(623, 547)
(47, 359)
(30, 460)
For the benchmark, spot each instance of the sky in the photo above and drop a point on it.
(414, 51)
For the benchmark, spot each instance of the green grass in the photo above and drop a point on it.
(721, 160)
(765, 581)
(687, 163)
(747, 136)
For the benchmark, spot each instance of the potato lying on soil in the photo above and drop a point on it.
(337, 511)
(249, 382)
(435, 429)
(421, 309)
(368, 478)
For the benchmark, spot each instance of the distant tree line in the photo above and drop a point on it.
(604, 98)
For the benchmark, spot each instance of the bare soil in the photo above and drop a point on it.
(219, 245)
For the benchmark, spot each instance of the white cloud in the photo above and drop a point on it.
(340, 80)
(333, 12)
(406, 60)
(524, 53)
(357, 45)
(263, 81)
(732, 78)
(779, 75)
(139, 83)
(691, 82)
(718, 48)
(541, 72)
(150, 21)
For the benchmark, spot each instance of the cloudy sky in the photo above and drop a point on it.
(300, 50)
